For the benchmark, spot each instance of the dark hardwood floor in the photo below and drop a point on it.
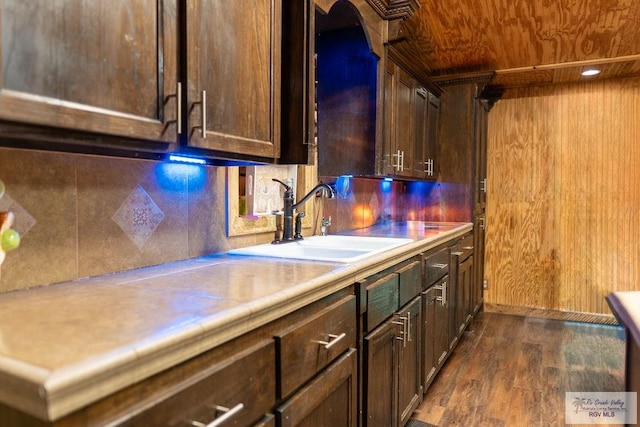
(514, 371)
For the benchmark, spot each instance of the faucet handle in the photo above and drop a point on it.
(324, 224)
(297, 235)
(278, 233)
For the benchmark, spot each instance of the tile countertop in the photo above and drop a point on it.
(66, 345)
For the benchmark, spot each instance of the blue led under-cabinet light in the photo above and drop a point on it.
(186, 159)
(385, 185)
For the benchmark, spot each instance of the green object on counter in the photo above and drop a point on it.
(10, 240)
(1, 189)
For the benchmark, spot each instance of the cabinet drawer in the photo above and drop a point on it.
(464, 248)
(306, 348)
(382, 300)
(331, 399)
(436, 266)
(410, 282)
(242, 384)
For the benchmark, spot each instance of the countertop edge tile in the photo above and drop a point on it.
(626, 307)
(21, 385)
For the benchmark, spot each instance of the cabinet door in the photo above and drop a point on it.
(452, 302)
(380, 376)
(421, 165)
(481, 117)
(478, 264)
(465, 277)
(328, 400)
(431, 144)
(92, 66)
(429, 356)
(440, 326)
(404, 133)
(409, 363)
(233, 76)
(389, 140)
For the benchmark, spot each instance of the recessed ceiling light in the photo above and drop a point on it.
(591, 72)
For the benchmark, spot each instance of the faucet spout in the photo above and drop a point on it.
(290, 206)
(321, 186)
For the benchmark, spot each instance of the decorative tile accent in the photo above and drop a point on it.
(24, 221)
(138, 216)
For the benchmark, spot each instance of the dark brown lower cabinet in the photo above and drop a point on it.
(330, 399)
(465, 288)
(434, 330)
(379, 376)
(392, 361)
(409, 365)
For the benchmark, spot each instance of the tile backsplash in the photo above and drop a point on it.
(366, 201)
(82, 215)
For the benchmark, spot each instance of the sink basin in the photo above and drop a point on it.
(332, 248)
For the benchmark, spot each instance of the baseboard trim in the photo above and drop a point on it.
(551, 314)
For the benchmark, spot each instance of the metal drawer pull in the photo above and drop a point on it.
(333, 339)
(408, 326)
(456, 253)
(228, 413)
(439, 265)
(468, 248)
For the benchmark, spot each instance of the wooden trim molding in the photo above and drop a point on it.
(573, 316)
(394, 9)
(483, 77)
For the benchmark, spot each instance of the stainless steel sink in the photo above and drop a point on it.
(331, 248)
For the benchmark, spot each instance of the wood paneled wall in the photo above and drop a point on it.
(563, 207)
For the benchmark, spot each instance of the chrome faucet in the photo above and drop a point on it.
(290, 206)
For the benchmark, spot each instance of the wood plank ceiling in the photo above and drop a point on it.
(526, 42)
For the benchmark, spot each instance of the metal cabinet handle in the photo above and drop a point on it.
(456, 253)
(228, 413)
(399, 165)
(483, 185)
(333, 339)
(482, 222)
(429, 169)
(403, 323)
(179, 107)
(408, 326)
(203, 106)
(439, 265)
(443, 296)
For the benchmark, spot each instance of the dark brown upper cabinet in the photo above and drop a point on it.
(94, 67)
(156, 77)
(233, 76)
(410, 126)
